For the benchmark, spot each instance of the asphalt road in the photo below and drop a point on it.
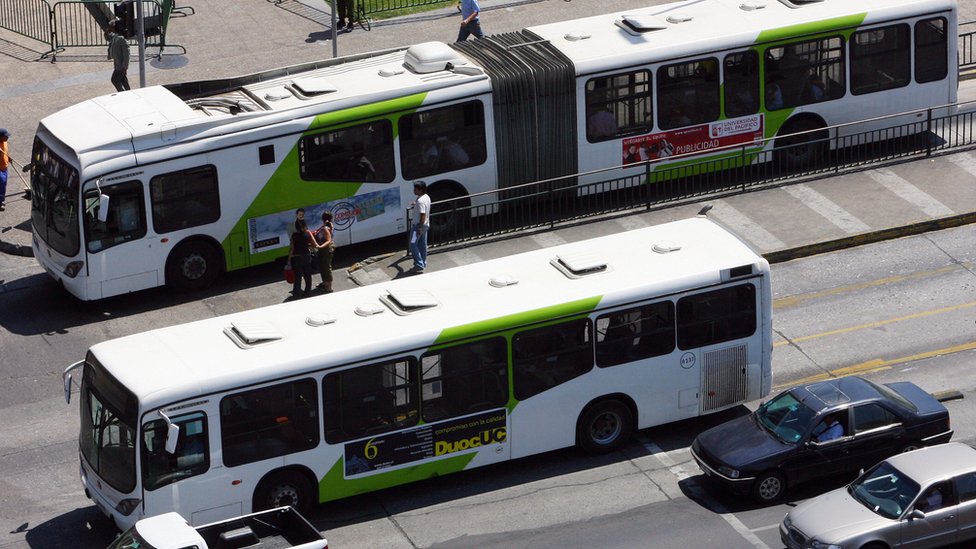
(902, 309)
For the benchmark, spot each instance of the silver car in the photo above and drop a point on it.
(925, 498)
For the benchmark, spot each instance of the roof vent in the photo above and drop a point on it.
(676, 18)
(799, 3)
(319, 320)
(666, 246)
(431, 57)
(312, 86)
(369, 309)
(640, 24)
(391, 71)
(502, 281)
(752, 6)
(576, 36)
(579, 265)
(251, 334)
(405, 302)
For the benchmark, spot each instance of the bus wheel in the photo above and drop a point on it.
(283, 488)
(445, 224)
(605, 427)
(192, 266)
(799, 152)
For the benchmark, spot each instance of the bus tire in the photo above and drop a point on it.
(193, 265)
(604, 427)
(800, 152)
(449, 225)
(283, 488)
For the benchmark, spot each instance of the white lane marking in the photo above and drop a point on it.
(910, 193)
(464, 256)
(819, 203)
(631, 222)
(964, 161)
(745, 227)
(677, 471)
(548, 239)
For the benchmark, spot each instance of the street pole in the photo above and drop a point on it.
(335, 45)
(141, 38)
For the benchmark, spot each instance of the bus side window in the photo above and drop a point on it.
(442, 140)
(688, 93)
(716, 316)
(931, 50)
(805, 72)
(464, 378)
(184, 199)
(356, 153)
(126, 219)
(635, 334)
(618, 105)
(545, 357)
(370, 399)
(192, 456)
(881, 59)
(741, 84)
(269, 422)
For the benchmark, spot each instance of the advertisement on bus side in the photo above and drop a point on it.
(425, 442)
(694, 139)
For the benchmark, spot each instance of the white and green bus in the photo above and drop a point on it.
(346, 393)
(175, 184)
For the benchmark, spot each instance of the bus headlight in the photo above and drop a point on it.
(126, 506)
(72, 269)
(728, 471)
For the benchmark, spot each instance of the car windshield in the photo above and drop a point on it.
(884, 490)
(785, 416)
(130, 539)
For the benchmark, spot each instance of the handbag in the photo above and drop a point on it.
(289, 274)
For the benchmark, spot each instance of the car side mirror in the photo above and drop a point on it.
(916, 514)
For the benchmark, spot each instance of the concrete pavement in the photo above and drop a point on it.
(254, 35)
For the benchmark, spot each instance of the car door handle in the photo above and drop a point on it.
(950, 517)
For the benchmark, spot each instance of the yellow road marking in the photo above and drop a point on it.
(791, 301)
(877, 364)
(869, 325)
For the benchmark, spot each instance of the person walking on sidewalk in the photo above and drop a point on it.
(326, 249)
(421, 225)
(118, 52)
(470, 23)
(4, 164)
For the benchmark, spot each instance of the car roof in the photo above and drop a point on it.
(934, 463)
(834, 392)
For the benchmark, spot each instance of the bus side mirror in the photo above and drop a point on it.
(172, 433)
(102, 207)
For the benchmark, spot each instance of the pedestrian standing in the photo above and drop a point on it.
(300, 258)
(4, 163)
(470, 23)
(421, 226)
(118, 52)
(326, 249)
(345, 11)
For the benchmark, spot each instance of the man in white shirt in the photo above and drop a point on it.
(421, 225)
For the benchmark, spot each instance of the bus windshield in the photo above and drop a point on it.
(108, 414)
(54, 200)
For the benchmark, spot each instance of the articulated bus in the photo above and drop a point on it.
(342, 394)
(176, 184)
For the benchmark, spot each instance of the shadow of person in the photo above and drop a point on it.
(320, 36)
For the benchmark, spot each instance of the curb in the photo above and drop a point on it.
(870, 238)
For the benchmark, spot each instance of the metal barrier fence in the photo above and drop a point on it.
(967, 54)
(80, 23)
(379, 6)
(543, 205)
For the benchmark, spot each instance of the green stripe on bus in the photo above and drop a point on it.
(815, 27)
(518, 319)
(286, 190)
(334, 485)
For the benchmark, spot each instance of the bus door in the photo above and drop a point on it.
(164, 471)
(117, 249)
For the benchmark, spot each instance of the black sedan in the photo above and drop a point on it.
(817, 430)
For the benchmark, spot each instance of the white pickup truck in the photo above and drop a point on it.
(279, 528)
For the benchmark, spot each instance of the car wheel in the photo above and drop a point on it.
(604, 427)
(910, 447)
(283, 488)
(193, 265)
(769, 487)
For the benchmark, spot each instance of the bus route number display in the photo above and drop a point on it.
(425, 442)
